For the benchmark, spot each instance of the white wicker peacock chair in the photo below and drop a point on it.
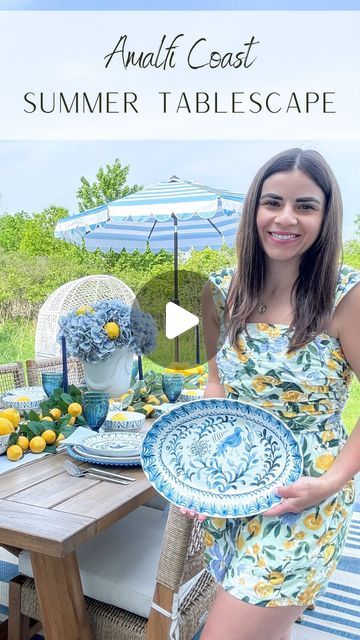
(70, 296)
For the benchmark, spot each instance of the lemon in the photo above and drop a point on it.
(75, 409)
(5, 422)
(49, 436)
(84, 309)
(125, 395)
(143, 391)
(148, 408)
(56, 413)
(11, 414)
(201, 381)
(14, 452)
(59, 439)
(5, 429)
(22, 399)
(164, 398)
(119, 416)
(153, 400)
(23, 442)
(37, 444)
(49, 418)
(112, 329)
(72, 420)
(130, 408)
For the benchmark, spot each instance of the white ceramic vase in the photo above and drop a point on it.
(112, 375)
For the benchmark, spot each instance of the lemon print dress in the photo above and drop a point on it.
(286, 560)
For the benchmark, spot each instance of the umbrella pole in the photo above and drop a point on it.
(197, 344)
(176, 280)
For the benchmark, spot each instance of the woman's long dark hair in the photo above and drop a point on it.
(314, 289)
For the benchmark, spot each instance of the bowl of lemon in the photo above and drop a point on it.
(123, 421)
(9, 420)
(191, 394)
(24, 398)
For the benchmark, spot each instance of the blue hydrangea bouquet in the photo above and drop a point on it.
(94, 332)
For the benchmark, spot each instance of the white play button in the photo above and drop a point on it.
(178, 320)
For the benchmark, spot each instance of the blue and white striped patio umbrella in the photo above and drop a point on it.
(171, 215)
(203, 216)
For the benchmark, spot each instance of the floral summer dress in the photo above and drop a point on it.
(286, 560)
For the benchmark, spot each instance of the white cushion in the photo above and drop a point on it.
(119, 565)
(157, 502)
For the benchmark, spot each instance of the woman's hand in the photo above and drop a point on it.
(190, 513)
(299, 495)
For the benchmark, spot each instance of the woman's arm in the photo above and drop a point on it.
(347, 463)
(211, 329)
(308, 491)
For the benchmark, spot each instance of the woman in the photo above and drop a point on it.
(285, 323)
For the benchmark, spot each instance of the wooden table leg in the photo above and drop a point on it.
(61, 601)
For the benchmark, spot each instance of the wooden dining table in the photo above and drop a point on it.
(50, 513)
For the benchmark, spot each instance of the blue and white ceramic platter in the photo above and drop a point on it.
(35, 394)
(221, 457)
(114, 444)
(75, 451)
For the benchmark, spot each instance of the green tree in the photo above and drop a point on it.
(37, 236)
(37, 239)
(357, 224)
(12, 228)
(351, 256)
(110, 184)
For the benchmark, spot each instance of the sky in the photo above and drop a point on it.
(35, 174)
(217, 5)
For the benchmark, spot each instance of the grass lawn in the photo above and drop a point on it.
(351, 412)
(17, 339)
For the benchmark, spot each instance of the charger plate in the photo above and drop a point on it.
(75, 451)
(221, 457)
(114, 445)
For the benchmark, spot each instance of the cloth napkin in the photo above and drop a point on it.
(77, 436)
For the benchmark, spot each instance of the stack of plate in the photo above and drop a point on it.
(117, 449)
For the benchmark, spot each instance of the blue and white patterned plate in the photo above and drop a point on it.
(79, 454)
(114, 445)
(221, 457)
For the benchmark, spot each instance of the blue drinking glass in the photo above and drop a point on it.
(173, 384)
(95, 406)
(51, 380)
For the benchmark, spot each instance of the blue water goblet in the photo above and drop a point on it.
(51, 380)
(95, 406)
(172, 384)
